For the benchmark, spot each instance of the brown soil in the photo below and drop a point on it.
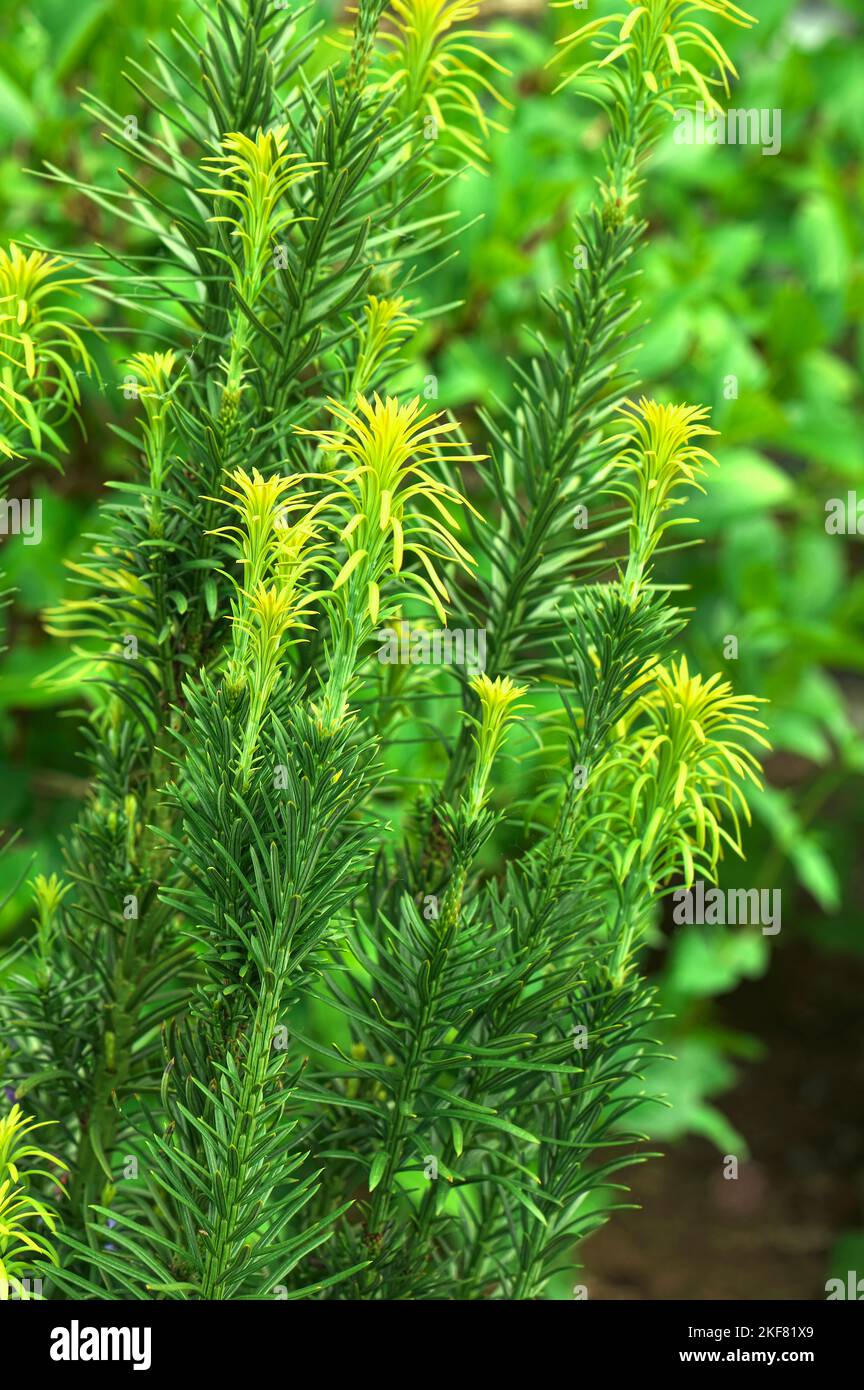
(768, 1234)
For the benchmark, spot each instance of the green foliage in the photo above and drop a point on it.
(314, 1015)
(24, 1219)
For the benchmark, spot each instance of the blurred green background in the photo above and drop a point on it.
(753, 300)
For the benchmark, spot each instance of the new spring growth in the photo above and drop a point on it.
(499, 707)
(691, 762)
(278, 545)
(48, 894)
(153, 371)
(25, 1221)
(683, 762)
(390, 449)
(267, 617)
(39, 342)
(662, 45)
(660, 458)
(434, 67)
(257, 176)
(277, 542)
(386, 325)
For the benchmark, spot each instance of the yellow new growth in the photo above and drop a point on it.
(386, 325)
(434, 64)
(257, 175)
(660, 457)
(25, 1222)
(691, 747)
(389, 448)
(38, 341)
(499, 707)
(664, 44)
(279, 545)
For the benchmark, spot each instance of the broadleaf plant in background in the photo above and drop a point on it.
(304, 1027)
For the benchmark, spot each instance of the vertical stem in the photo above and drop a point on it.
(382, 1198)
(220, 1252)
